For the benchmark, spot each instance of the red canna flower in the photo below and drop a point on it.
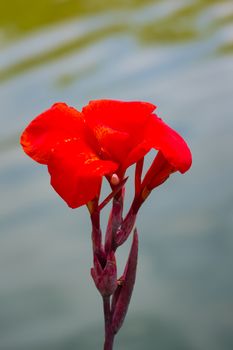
(107, 137)
(79, 148)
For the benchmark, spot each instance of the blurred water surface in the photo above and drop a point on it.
(178, 55)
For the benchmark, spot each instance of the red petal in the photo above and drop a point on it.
(118, 115)
(113, 144)
(170, 143)
(158, 172)
(76, 172)
(58, 123)
(118, 126)
(136, 153)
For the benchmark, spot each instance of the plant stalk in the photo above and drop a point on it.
(109, 335)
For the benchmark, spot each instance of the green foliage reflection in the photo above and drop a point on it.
(180, 24)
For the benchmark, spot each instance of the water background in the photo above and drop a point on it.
(178, 55)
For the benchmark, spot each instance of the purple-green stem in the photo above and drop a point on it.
(109, 334)
(115, 298)
(115, 301)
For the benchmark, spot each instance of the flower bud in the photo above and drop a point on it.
(115, 180)
(122, 296)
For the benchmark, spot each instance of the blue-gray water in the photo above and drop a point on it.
(178, 55)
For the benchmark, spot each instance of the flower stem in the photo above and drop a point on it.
(109, 335)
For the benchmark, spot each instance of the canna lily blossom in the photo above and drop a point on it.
(104, 139)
